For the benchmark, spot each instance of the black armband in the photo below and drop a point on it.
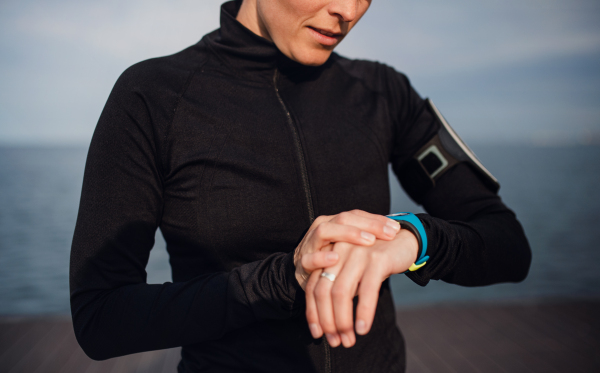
(442, 152)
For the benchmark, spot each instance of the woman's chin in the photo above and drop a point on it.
(311, 56)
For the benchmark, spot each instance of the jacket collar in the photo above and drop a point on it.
(248, 54)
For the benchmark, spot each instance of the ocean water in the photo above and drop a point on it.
(554, 192)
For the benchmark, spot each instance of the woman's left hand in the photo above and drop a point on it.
(359, 271)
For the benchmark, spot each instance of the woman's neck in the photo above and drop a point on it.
(249, 17)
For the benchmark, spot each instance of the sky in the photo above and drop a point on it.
(501, 71)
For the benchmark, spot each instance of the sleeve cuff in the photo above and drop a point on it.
(446, 242)
(295, 292)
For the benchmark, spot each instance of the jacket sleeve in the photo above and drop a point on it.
(115, 312)
(474, 239)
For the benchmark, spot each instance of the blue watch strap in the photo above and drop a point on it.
(413, 223)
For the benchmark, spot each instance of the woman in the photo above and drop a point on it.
(258, 153)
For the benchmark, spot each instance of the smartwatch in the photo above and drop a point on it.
(409, 221)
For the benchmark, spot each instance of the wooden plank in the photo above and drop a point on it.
(74, 359)
(548, 337)
(533, 337)
(27, 335)
(172, 359)
(48, 351)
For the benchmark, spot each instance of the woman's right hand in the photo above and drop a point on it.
(356, 227)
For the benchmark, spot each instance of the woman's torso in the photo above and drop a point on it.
(256, 149)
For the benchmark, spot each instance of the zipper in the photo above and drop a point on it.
(327, 355)
(299, 152)
(306, 186)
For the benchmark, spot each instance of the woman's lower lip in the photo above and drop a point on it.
(324, 39)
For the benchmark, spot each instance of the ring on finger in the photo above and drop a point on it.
(329, 276)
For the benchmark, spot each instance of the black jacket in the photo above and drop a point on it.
(232, 150)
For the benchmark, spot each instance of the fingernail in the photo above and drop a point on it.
(345, 340)
(361, 327)
(389, 231)
(393, 224)
(330, 339)
(367, 236)
(314, 330)
(332, 256)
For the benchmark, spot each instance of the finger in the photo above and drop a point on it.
(318, 221)
(381, 218)
(368, 294)
(319, 259)
(324, 305)
(329, 232)
(343, 292)
(378, 225)
(321, 219)
(312, 316)
(365, 214)
(322, 295)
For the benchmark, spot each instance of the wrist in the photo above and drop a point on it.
(410, 244)
(301, 277)
(409, 222)
(295, 270)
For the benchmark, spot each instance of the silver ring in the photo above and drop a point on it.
(329, 276)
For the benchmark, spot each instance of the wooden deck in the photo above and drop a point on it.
(534, 337)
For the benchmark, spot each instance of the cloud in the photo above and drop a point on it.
(119, 29)
(440, 37)
(60, 58)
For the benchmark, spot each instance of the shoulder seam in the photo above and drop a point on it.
(188, 81)
(191, 75)
(380, 94)
(362, 81)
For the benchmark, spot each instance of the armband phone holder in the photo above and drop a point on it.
(422, 171)
(409, 221)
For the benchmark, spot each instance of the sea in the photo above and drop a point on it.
(553, 190)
